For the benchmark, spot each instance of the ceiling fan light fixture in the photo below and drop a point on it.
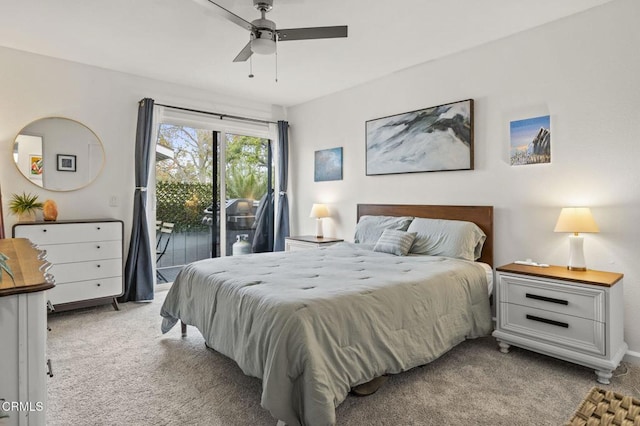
(264, 45)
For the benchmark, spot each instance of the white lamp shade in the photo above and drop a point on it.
(576, 220)
(319, 211)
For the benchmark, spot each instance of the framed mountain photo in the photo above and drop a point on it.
(433, 139)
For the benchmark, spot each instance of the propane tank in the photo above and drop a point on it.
(241, 246)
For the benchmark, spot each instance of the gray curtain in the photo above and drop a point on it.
(282, 216)
(138, 271)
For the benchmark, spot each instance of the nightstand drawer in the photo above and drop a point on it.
(583, 302)
(565, 330)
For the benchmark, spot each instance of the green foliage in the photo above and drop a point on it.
(24, 203)
(192, 154)
(4, 266)
(183, 204)
(243, 183)
(184, 183)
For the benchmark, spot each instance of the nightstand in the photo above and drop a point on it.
(577, 316)
(308, 241)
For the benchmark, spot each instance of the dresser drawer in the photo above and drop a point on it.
(62, 233)
(79, 252)
(85, 290)
(82, 271)
(583, 302)
(558, 329)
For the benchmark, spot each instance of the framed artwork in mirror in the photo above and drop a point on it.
(66, 163)
(35, 166)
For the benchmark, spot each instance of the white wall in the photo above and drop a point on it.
(33, 86)
(583, 71)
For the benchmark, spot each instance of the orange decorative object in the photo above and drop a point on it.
(50, 210)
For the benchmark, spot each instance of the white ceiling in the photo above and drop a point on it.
(182, 42)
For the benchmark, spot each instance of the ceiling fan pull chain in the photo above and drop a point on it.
(276, 59)
(250, 67)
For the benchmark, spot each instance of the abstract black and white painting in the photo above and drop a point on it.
(530, 141)
(328, 165)
(427, 140)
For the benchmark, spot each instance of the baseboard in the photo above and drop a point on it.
(632, 357)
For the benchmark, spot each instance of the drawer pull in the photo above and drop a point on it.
(98, 266)
(97, 247)
(44, 230)
(98, 284)
(547, 299)
(98, 228)
(49, 369)
(547, 321)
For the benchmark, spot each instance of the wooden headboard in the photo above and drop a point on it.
(480, 215)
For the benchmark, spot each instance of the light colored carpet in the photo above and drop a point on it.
(116, 368)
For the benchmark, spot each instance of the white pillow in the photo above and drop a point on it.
(395, 242)
(370, 228)
(451, 238)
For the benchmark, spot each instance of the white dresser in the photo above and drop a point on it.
(86, 258)
(577, 316)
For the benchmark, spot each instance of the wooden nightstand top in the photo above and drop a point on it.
(26, 267)
(601, 278)
(314, 239)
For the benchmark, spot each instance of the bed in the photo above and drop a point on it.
(313, 324)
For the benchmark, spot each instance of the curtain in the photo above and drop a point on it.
(263, 237)
(282, 216)
(138, 271)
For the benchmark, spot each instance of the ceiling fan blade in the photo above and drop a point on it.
(311, 33)
(244, 54)
(227, 14)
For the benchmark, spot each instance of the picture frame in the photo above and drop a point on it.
(36, 165)
(530, 141)
(433, 139)
(66, 163)
(328, 165)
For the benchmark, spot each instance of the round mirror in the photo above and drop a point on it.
(58, 154)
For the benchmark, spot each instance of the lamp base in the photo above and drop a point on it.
(576, 254)
(319, 228)
(576, 268)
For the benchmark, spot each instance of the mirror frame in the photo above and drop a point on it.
(84, 185)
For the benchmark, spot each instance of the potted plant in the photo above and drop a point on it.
(24, 206)
(4, 266)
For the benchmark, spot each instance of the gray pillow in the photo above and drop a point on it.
(370, 228)
(451, 238)
(395, 242)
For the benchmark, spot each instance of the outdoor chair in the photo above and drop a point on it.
(163, 236)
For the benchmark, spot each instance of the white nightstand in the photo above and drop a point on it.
(577, 316)
(307, 242)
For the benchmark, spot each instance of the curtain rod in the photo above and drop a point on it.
(222, 116)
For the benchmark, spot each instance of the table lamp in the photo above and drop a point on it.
(576, 220)
(319, 211)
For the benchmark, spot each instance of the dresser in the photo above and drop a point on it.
(23, 328)
(308, 242)
(86, 258)
(577, 316)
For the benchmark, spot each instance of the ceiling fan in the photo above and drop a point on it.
(264, 34)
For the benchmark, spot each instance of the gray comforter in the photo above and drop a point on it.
(314, 323)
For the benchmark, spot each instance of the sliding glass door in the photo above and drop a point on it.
(198, 170)
(248, 194)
